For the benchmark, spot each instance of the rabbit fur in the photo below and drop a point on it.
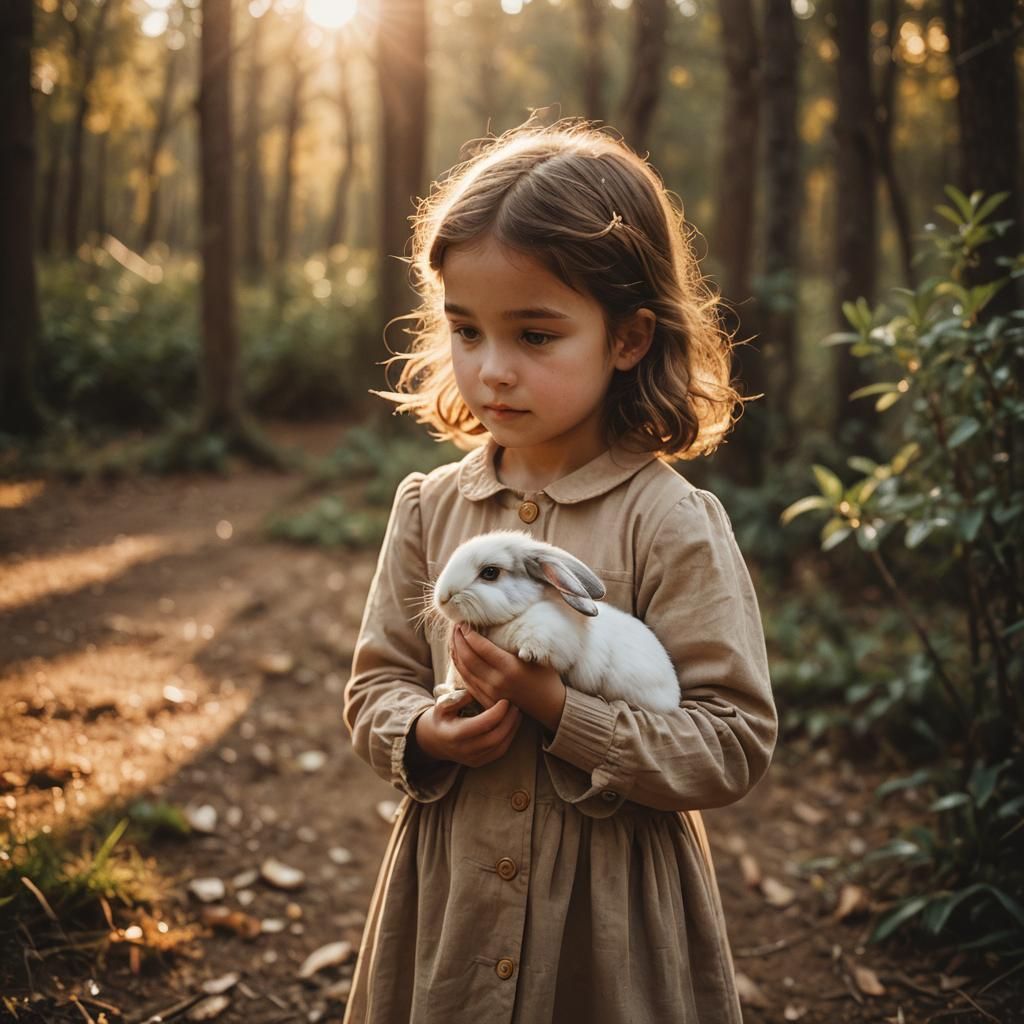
(539, 602)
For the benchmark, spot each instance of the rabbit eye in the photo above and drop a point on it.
(489, 572)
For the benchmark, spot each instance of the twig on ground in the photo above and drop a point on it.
(1002, 977)
(983, 1012)
(779, 944)
(171, 1011)
(85, 1013)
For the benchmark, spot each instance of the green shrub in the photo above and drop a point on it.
(953, 495)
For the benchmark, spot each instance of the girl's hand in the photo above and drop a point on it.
(444, 736)
(492, 675)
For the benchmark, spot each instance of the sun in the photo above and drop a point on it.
(331, 13)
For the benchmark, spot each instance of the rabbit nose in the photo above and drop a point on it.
(444, 596)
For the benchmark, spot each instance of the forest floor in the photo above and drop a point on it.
(155, 645)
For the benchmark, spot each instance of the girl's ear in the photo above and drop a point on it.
(633, 339)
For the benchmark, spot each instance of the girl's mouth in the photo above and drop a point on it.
(505, 414)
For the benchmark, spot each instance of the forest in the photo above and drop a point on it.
(205, 207)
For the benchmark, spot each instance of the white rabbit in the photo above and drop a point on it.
(537, 601)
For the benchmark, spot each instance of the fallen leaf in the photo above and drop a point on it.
(777, 894)
(867, 981)
(202, 818)
(245, 878)
(749, 992)
(387, 809)
(273, 925)
(277, 663)
(853, 900)
(794, 1011)
(216, 986)
(281, 875)
(947, 984)
(807, 814)
(331, 955)
(208, 890)
(207, 1009)
(311, 760)
(750, 870)
(230, 920)
(339, 855)
(339, 990)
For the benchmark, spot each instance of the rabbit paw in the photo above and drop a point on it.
(529, 652)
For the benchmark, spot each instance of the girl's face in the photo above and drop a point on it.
(524, 340)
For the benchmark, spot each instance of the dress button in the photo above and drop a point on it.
(528, 511)
(609, 795)
(504, 968)
(507, 868)
(520, 800)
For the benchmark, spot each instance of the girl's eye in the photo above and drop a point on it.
(490, 572)
(536, 339)
(466, 333)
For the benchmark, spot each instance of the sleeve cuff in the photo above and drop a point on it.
(585, 730)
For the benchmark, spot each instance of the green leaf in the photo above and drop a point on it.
(918, 778)
(903, 913)
(983, 781)
(949, 802)
(905, 456)
(888, 400)
(969, 522)
(835, 536)
(812, 502)
(963, 204)
(829, 484)
(881, 388)
(862, 464)
(990, 204)
(839, 338)
(918, 531)
(964, 430)
(1010, 905)
(949, 214)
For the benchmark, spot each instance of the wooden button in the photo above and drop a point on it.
(504, 968)
(507, 868)
(528, 511)
(609, 796)
(520, 800)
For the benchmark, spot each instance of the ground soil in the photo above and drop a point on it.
(156, 645)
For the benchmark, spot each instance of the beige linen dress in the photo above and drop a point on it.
(570, 880)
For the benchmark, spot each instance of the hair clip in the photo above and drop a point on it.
(615, 222)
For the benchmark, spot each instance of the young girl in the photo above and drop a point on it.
(548, 863)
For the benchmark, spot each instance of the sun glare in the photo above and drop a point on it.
(331, 13)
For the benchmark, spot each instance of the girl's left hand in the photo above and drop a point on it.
(492, 674)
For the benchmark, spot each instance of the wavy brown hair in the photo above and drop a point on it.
(579, 201)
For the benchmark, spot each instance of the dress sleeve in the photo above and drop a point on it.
(392, 678)
(695, 593)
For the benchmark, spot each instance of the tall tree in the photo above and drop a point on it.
(984, 37)
(338, 220)
(19, 304)
(886, 118)
(592, 55)
(221, 398)
(647, 62)
(856, 231)
(252, 217)
(88, 49)
(777, 301)
(402, 79)
(734, 228)
(150, 186)
(299, 68)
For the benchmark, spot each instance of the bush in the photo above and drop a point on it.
(954, 495)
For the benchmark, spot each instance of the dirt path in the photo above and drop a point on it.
(153, 643)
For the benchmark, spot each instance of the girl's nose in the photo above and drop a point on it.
(496, 370)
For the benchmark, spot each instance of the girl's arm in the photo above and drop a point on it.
(696, 594)
(392, 678)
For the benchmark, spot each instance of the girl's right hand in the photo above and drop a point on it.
(474, 742)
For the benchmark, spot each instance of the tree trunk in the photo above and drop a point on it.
(647, 64)
(593, 70)
(338, 220)
(856, 176)
(743, 458)
(221, 402)
(983, 38)
(56, 139)
(100, 218)
(75, 176)
(151, 181)
(886, 161)
(253, 189)
(778, 300)
(293, 119)
(402, 79)
(19, 303)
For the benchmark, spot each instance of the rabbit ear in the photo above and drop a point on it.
(575, 581)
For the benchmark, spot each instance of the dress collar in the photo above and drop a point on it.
(477, 478)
